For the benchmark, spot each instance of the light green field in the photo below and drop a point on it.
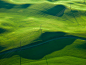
(20, 20)
(67, 60)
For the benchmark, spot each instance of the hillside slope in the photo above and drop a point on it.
(35, 21)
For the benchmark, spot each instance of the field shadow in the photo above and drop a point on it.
(3, 30)
(1, 48)
(7, 5)
(44, 49)
(75, 13)
(38, 52)
(22, 6)
(47, 36)
(72, 13)
(57, 10)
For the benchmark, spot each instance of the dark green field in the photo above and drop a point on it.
(54, 29)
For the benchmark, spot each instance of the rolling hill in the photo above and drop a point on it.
(31, 22)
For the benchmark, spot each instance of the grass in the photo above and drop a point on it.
(20, 20)
(65, 60)
(59, 48)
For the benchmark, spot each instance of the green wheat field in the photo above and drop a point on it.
(25, 23)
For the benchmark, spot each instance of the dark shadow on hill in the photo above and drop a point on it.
(48, 35)
(75, 13)
(3, 30)
(57, 10)
(44, 49)
(23, 6)
(40, 51)
(1, 48)
(7, 5)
